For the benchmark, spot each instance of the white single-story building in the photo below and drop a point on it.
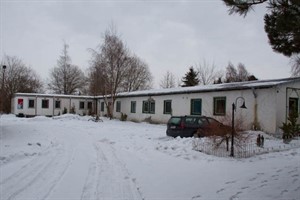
(268, 103)
(32, 104)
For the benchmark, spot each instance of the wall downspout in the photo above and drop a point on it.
(35, 110)
(69, 105)
(96, 106)
(286, 104)
(53, 106)
(255, 120)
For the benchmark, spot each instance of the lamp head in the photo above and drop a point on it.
(243, 105)
(4, 67)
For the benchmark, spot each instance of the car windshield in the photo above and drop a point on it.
(175, 120)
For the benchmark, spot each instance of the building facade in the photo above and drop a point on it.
(30, 104)
(268, 103)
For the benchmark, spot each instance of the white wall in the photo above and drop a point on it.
(181, 105)
(271, 106)
(66, 102)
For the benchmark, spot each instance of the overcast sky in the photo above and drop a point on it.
(167, 35)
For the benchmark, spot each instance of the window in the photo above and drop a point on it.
(293, 105)
(81, 105)
(220, 106)
(133, 107)
(196, 106)
(57, 104)
(149, 106)
(118, 106)
(145, 106)
(45, 103)
(90, 105)
(20, 103)
(31, 103)
(102, 107)
(168, 107)
(152, 107)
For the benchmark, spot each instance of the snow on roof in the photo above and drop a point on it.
(53, 95)
(210, 88)
(259, 84)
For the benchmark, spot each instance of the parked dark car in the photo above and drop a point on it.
(201, 126)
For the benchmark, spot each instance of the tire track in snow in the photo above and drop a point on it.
(31, 164)
(108, 178)
(38, 178)
(89, 189)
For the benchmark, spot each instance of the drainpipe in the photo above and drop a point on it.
(35, 105)
(69, 105)
(286, 104)
(255, 120)
(53, 102)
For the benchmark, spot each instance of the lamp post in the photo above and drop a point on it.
(2, 89)
(232, 125)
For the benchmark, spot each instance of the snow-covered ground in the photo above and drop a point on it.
(70, 158)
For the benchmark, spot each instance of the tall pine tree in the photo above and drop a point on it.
(190, 78)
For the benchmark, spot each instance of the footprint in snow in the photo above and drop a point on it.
(220, 190)
(253, 179)
(229, 182)
(196, 197)
(246, 187)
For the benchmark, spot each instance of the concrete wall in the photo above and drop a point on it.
(266, 109)
(65, 102)
(181, 105)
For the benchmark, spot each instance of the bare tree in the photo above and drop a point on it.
(111, 64)
(243, 74)
(168, 80)
(113, 70)
(17, 78)
(137, 76)
(66, 78)
(207, 73)
(231, 73)
(238, 75)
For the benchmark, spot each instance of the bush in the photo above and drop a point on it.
(65, 111)
(291, 128)
(20, 115)
(72, 110)
(123, 117)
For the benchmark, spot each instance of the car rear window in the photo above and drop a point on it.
(175, 120)
(212, 121)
